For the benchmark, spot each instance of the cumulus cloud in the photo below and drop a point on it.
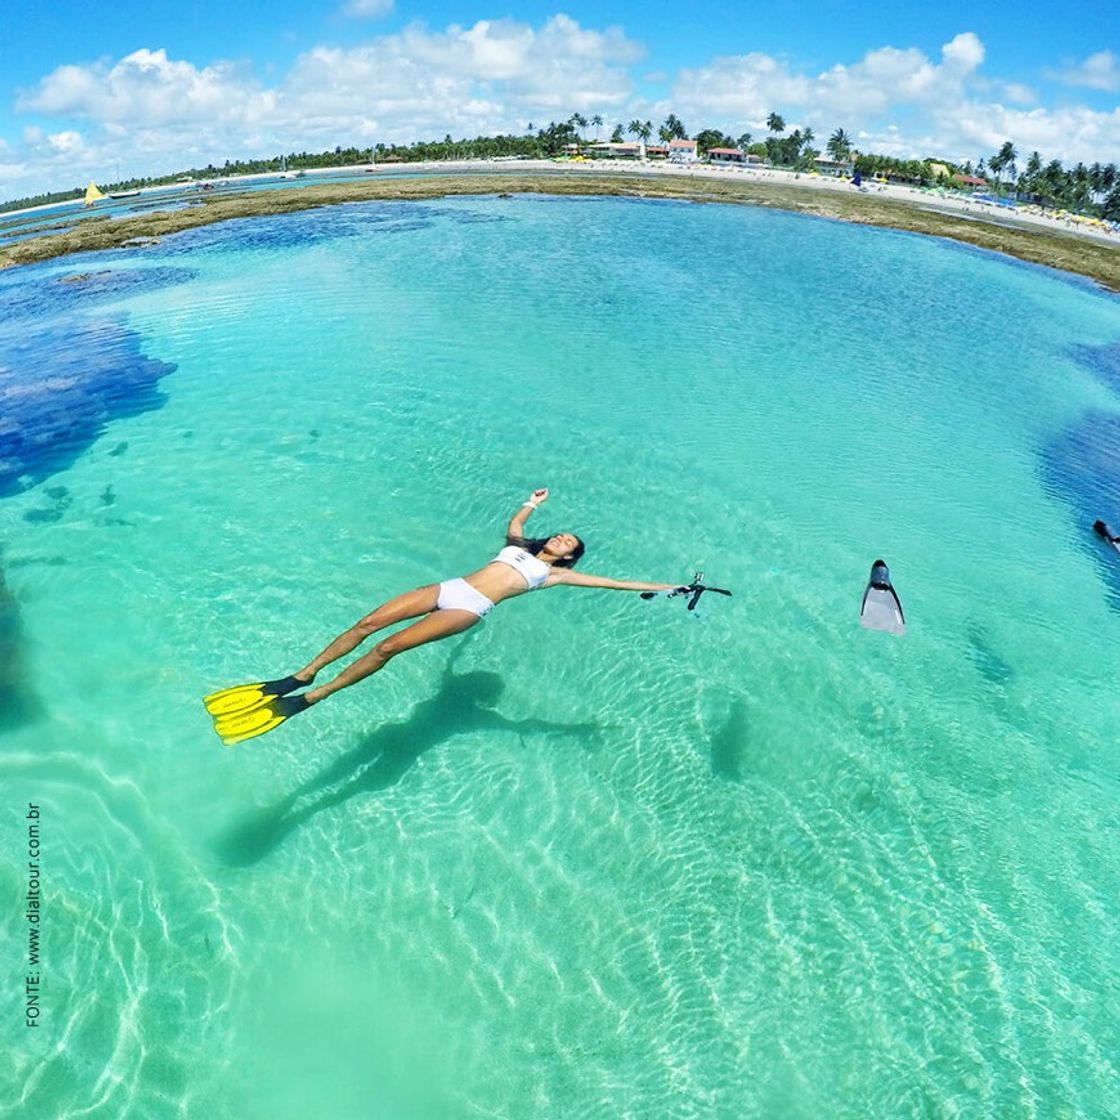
(1099, 71)
(899, 102)
(751, 86)
(962, 54)
(147, 89)
(67, 142)
(151, 113)
(1072, 134)
(492, 74)
(1019, 94)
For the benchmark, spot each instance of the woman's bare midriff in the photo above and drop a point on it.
(497, 582)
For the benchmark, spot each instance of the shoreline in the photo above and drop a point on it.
(1035, 238)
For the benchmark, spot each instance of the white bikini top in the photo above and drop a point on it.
(533, 571)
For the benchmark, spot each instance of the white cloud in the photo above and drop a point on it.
(963, 54)
(1099, 71)
(743, 89)
(68, 142)
(750, 87)
(368, 9)
(147, 89)
(494, 74)
(898, 102)
(1019, 94)
(1072, 134)
(149, 113)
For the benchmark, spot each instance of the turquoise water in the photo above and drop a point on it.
(596, 858)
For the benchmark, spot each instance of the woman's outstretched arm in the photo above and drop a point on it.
(516, 530)
(582, 579)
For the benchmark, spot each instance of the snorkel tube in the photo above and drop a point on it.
(693, 590)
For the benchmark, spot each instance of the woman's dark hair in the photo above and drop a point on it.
(535, 544)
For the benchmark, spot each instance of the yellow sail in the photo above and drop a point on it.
(92, 193)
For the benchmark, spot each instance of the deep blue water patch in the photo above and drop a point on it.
(312, 227)
(60, 385)
(1082, 466)
(1103, 361)
(34, 293)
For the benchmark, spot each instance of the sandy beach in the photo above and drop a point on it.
(1056, 241)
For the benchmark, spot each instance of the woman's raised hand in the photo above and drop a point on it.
(538, 496)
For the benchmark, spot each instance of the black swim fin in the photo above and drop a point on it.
(245, 697)
(881, 609)
(1104, 530)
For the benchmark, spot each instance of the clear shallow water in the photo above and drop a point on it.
(596, 858)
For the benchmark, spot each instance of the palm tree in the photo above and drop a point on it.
(597, 121)
(791, 147)
(1002, 160)
(995, 165)
(634, 127)
(645, 131)
(1095, 173)
(839, 145)
(1053, 179)
(744, 141)
(774, 123)
(674, 127)
(1079, 186)
(1028, 181)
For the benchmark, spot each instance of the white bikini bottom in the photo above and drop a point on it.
(458, 595)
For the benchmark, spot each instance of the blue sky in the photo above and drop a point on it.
(87, 89)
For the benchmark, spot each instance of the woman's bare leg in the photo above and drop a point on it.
(409, 605)
(438, 624)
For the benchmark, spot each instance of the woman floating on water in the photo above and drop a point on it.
(446, 608)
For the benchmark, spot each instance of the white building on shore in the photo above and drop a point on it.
(682, 151)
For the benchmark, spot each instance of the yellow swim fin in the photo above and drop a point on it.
(245, 697)
(266, 716)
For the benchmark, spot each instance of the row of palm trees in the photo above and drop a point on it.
(1076, 188)
(1085, 189)
(1094, 189)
